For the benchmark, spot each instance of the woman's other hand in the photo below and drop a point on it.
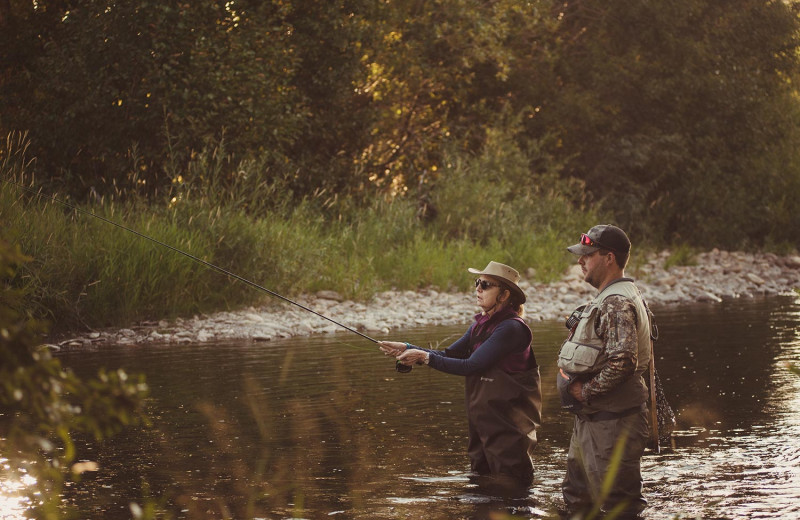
(413, 357)
(392, 348)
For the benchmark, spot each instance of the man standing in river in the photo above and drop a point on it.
(600, 379)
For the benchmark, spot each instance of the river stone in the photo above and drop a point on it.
(755, 278)
(668, 280)
(792, 262)
(706, 296)
(328, 329)
(305, 326)
(329, 295)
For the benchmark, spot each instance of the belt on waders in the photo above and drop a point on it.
(603, 415)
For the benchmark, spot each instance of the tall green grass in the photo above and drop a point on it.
(88, 273)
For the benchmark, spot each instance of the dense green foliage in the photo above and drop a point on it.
(42, 405)
(678, 118)
(686, 114)
(86, 272)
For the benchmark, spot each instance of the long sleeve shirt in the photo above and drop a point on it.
(617, 328)
(509, 337)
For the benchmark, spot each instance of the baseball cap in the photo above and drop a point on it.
(603, 236)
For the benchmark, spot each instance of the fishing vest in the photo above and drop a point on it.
(514, 362)
(583, 354)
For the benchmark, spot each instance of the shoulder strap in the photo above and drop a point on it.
(650, 316)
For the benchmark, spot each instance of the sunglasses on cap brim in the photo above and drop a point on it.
(586, 240)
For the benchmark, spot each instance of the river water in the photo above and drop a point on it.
(323, 427)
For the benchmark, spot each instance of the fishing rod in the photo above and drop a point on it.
(188, 255)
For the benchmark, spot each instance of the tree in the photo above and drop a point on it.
(122, 94)
(444, 74)
(677, 114)
(678, 118)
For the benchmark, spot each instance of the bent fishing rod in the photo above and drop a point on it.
(188, 255)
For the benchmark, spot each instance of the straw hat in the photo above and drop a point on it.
(507, 274)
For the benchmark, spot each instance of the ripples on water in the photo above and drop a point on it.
(324, 427)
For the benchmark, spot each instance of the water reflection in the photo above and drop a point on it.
(324, 427)
(739, 448)
(14, 501)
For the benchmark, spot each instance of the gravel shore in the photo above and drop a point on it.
(717, 275)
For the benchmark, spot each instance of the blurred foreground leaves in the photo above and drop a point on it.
(42, 405)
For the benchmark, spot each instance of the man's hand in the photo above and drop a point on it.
(576, 389)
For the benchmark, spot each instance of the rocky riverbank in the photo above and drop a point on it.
(717, 275)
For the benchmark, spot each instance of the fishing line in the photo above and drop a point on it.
(188, 255)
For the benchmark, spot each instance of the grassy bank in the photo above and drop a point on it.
(88, 273)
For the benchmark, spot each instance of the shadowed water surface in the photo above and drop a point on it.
(323, 427)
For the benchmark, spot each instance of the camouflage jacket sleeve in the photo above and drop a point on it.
(617, 328)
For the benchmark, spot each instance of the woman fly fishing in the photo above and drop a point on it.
(502, 389)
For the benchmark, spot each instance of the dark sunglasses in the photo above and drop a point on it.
(485, 284)
(586, 240)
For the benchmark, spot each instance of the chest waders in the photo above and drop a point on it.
(503, 412)
(583, 355)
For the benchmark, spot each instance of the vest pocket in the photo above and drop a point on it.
(580, 358)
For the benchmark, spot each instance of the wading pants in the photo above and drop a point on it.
(503, 411)
(590, 453)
